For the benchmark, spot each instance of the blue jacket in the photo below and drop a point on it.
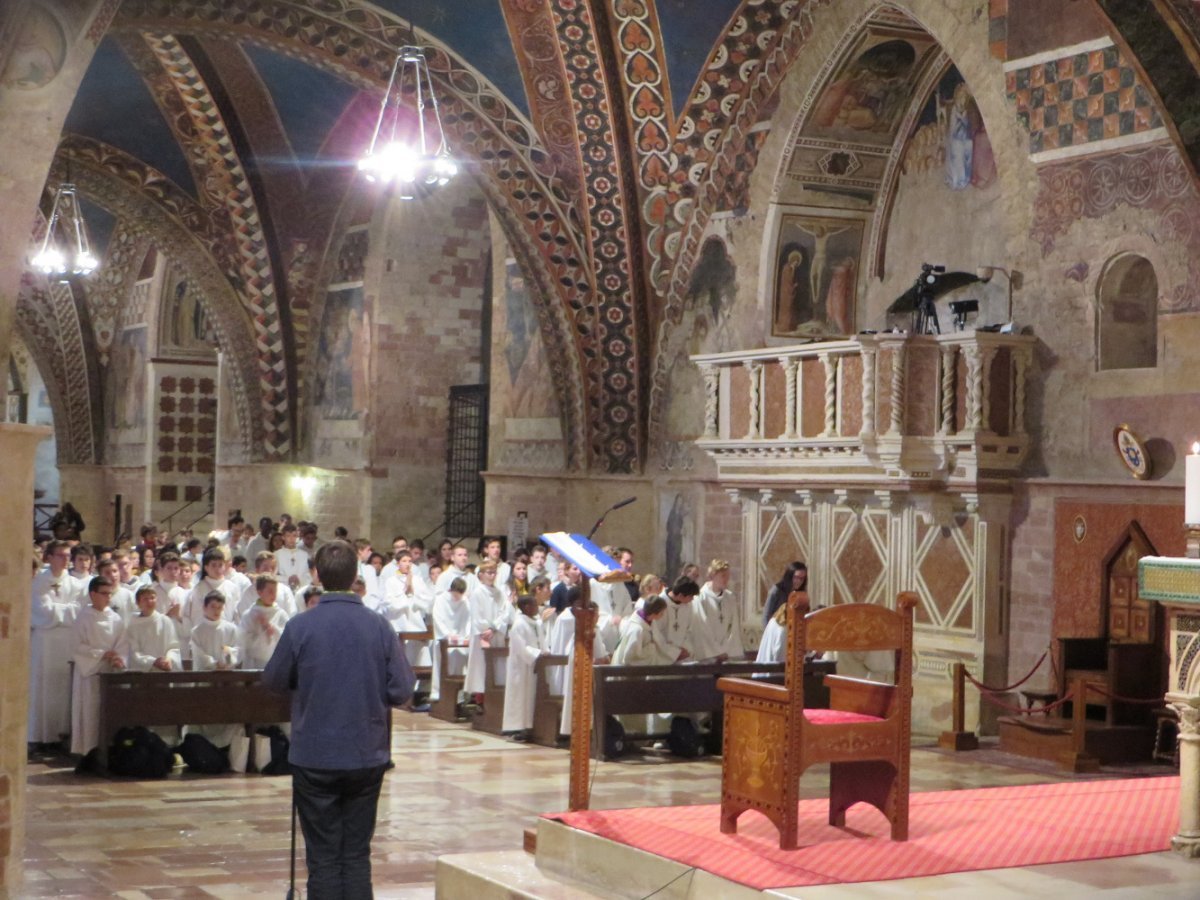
(344, 667)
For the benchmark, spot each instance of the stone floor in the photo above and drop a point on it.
(452, 791)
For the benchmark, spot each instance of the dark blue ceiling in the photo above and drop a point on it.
(113, 105)
(475, 31)
(308, 100)
(690, 30)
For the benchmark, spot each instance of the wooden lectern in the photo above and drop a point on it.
(594, 563)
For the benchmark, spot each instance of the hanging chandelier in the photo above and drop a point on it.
(67, 253)
(394, 156)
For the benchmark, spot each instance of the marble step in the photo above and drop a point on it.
(503, 875)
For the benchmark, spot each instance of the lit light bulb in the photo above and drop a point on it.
(443, 169)
(50, 261)
(85, 263)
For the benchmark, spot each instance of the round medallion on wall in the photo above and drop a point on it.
(1079, 529)
(1132, 451)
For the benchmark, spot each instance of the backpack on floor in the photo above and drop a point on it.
(202, 756)
(140, 753)
(279, 753)
(614, 738)
(684, 739)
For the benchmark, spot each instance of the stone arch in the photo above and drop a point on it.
(1127, 314)
(356, 42)
(133, 192)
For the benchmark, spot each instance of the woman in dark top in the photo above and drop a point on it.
(794, 578)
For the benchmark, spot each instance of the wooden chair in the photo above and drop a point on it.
(865, 735)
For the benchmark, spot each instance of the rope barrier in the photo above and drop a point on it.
(1012, 687)
(1157, 701)
(1021, 711)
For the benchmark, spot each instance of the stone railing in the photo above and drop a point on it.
(944, 408)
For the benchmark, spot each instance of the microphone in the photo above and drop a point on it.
(600, 521)
(624, 502)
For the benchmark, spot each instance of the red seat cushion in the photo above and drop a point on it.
(837, 717)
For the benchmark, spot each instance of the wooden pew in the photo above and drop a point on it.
(186, 698)
(422, 673)
(773, 736)
(547, 706)
(643, 690)
(492, 716)
(449, 687)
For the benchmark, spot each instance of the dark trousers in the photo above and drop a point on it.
(337, 815)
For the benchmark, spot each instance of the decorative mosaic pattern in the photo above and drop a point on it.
(49, 324)
(535, 42)
(648, 100)
(357, 43)
(111, 286)
(102, 20)
(1155, 178)
(186, 440)
(228, 189)
(1081, 99)
(611, 366)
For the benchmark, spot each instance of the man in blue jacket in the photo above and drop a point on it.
(344, 668)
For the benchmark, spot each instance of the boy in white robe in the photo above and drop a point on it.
(519, 684)
(674, 630)
(122, 602)
(451, 626)
(55, 606)
(214, 642)
(292, 560)
(491, 553)
(100, 646)
(407, 605)
(639, 645)
(285, 599)
(456, 569)
(214, 564)
(490, 617)
(562, 642)
(262, 624)
(154, 647)
(717, 624)
(615, 607)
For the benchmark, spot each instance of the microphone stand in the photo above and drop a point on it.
(600, 521)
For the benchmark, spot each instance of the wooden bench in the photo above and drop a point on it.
(683, 688)
(547, 705)
(446, 707)
(186, 698)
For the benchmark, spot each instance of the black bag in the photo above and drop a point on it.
(202, 756)
(140, 753)
(614, 738)
(684, 739)
(279, 752)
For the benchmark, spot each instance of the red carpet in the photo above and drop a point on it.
(950, 831)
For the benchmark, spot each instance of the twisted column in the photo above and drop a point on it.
(1021, 361)
(711, 396)
(754, 432)
(868, 393)
(974, 391)
(830, 364)
(791, 368)
(897, 390)
(985, 387)
(946, 426)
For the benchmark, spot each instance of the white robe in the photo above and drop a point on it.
(122, 603)
(615, 607)
(452, 624)
(151, 638)
(489, 610)
(285, 599)
(213, 643)
(96, 633)
(193, 610)
(261, 628)
(674, 629)
(519, 683)
(55, 608)
(410, 612)
(293, 562)
(639, 645)
(717, 625)
(562, 643)
(772, 648)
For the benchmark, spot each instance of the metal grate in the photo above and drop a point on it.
(466, 457)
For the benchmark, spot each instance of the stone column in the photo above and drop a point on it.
(1187, 706)
(17, 446)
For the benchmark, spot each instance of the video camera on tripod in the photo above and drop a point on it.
(926, 311)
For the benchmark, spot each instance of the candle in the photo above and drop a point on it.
(1191, 491)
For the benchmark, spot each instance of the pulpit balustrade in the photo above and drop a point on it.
(949, 408)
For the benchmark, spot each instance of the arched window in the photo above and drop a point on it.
(1127, 318)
